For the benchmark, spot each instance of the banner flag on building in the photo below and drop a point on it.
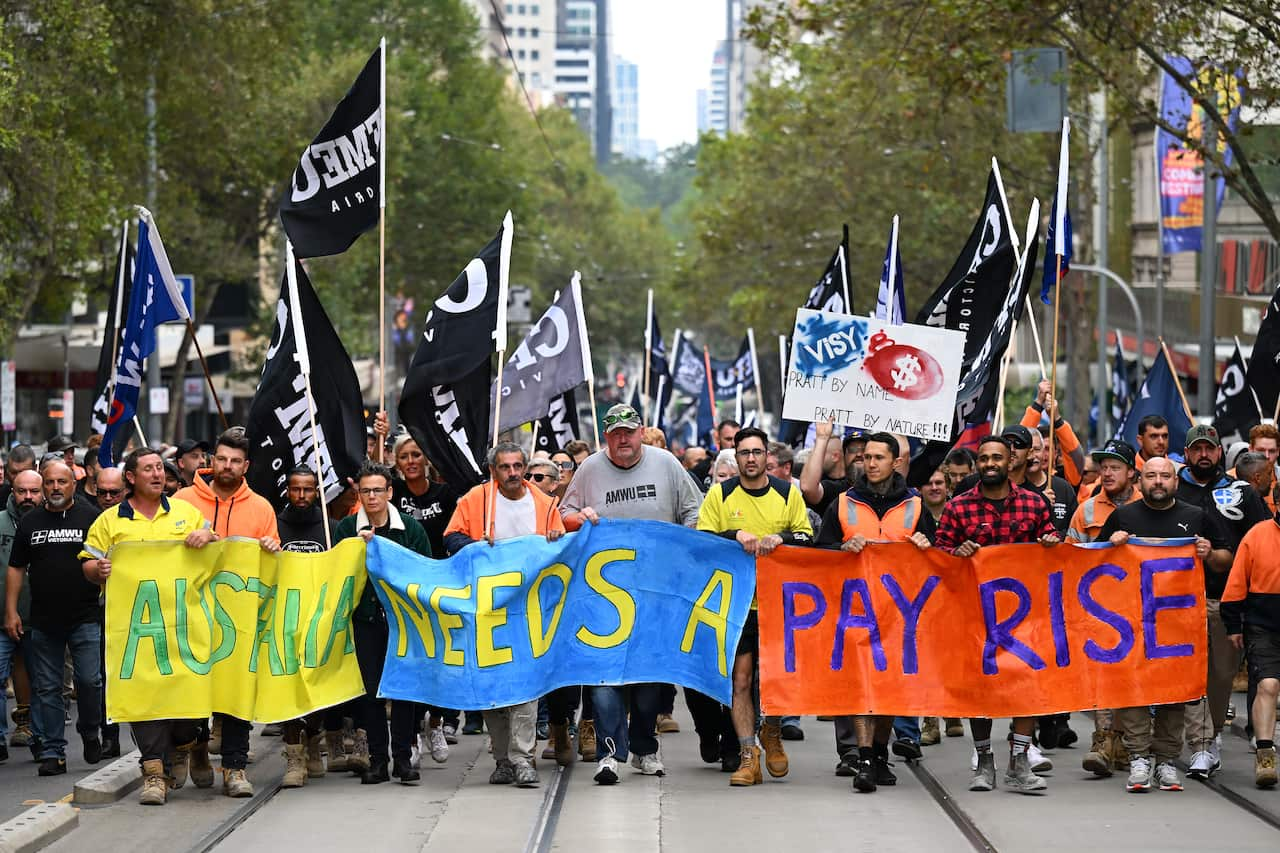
(279, 425)
(156, 298)
(446, 398)
(333, 196)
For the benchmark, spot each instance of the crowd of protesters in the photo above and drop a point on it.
(61, 514)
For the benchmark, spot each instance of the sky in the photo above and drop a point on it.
(672, 41)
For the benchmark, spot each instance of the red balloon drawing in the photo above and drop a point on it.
(903, 370)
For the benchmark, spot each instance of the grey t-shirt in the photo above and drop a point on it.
(655, 488)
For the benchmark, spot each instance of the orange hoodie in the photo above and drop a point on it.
(245, 513)
(474, 514)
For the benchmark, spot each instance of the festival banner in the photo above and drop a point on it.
(1015, 630)
(230, 628)
(619, 602)
(871, 375)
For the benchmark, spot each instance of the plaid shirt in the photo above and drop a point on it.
(1024, 517)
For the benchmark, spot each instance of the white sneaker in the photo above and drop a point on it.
(649, 765)
(437, 745)
(450, 734)
(607, 771)
(1039, 763)
(1139, 774)
(1215, 751)
(415, 752)
(1167, 777)
(1202, 765)
(973, 761)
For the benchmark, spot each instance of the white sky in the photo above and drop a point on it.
(672, 41)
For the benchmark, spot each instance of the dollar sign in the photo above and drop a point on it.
(907, 374)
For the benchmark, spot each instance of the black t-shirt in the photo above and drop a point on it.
(1063, 505)
(830, 490)
(47, 544)
(1178, 521)
(1235, 504)
(433, 509)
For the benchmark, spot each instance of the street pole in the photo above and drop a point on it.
(1101, 221)
(155, 420)
(1208, 278)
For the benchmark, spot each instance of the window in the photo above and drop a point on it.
(520, 32)
(533, 31)
(509, 10)
(533, 10)
(519, 54)
(520, 9)
(534, 55)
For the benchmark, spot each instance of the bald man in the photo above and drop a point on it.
(110, 487)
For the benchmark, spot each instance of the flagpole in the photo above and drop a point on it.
(204, 365)
(844, 279)
(382, 237)
(893, 272)
(1177, 383)
(648, 351)
(500, 328)
(1059, 212)
(115, 321)
(657, 409)
(533, 447)
(304, 367)
(137, 424)
(587, 366)
(755, 371)
(1001, 384)
(1013, 238)
(711, 388)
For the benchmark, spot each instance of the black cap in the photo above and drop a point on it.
(61, 444)
(1116, 449)
(853, 437)
(189, 444)
(1017, 435)
(171, 470)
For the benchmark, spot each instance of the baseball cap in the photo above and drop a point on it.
(189, 444)
(1017, 435)
(621, 416)
(1203, 432)
(1116, 449)
(853, 437)
(61, 444)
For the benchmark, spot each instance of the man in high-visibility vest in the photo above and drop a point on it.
(880, 508)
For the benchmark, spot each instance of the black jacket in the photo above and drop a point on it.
(302, 529)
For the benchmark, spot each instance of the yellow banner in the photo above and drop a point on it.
(230, 628)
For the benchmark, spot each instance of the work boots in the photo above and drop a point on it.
(337, 751)
(200, 766)
(315, 763)
(748, 772)
(180, 765)
(235, 783)
(215, 736)
(358, 758)
(587, 740)
(775, 757)
(561, 745)
(154, 784)
(295, 766)
(1099, 761)
(930, 734)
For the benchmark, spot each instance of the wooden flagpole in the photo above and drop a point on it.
(534, 446)
(648, 351)
(382, 238)
(304, 366)
(1060, 213)
(1177, 383)
(500, 330)
(587, 368)
(204, 365)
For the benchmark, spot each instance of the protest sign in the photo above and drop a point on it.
(620, 602)
(230, 628)
(1016, 630)
(872, 375)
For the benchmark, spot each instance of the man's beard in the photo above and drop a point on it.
(994, 477)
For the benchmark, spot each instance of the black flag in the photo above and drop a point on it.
(121, 284)
(980, 298)
(1236, 408)
(828, 293)
(689, 371)
(335, 192)
(1264, 363)
(445, 401)
(279, 425)
(560, 426)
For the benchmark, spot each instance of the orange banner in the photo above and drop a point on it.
(1015, 630)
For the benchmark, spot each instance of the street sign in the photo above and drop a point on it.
(519, 305)
(193, 392)
(158, 398)
(188, 285)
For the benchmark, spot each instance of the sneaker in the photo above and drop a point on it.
(53, 766)
(848, 766)
(415, 752)
(503, 774)
(864, 779)
(884, 776)
(973, 760)
(450, 734)
(1019, 776)
(649, 765)
(1202, 765)
(984, 778)
(1139, 775)
(1215, 751)
(437, 744)
(526, 776)
(1167, 777)
(792, 732)
(1264, 768)
(607, 771)
(1039, 763)
(930, 734)
(907, 749)
(544, 731)
(666, 725)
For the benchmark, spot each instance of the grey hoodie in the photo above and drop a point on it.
(8, 526)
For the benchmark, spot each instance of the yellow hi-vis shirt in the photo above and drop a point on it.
(175, 519)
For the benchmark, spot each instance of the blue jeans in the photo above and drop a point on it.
(48, 715)
(8, 648)
(611, 719)
(790, 721)
(906, 728)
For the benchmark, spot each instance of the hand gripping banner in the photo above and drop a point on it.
(230, 628)
(1015, 630)
(620, 602)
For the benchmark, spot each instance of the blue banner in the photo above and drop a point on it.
(1158, 396)
(621, 602)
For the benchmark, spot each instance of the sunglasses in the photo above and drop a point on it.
(537, 478)
(567, 466)
(111, 493)
(620, 417)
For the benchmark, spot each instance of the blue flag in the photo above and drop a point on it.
(892, 308)
(619, 602)
(156, 298)
(1051, 246)
(1158, 396)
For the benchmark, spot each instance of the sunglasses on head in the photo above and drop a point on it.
(624, 415)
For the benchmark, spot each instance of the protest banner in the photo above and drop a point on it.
(872, 375)
(619, 602)
(1015, 630)
(230, 628)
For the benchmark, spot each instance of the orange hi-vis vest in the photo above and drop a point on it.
(858, 518)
